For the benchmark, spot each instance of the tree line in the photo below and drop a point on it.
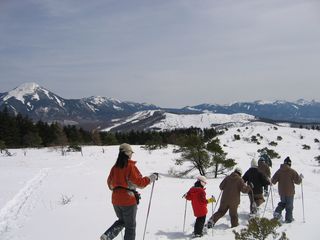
(200, 147)
(18, 131)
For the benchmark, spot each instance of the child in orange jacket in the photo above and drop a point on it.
(197, 196)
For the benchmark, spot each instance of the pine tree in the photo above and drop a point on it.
(193, 151)
(219, 160)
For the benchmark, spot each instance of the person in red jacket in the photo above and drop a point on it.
(197, 196)
(123, 179)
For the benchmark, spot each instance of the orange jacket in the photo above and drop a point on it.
(128, 177)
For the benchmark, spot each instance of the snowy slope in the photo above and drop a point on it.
(170, 121)
(204, 120)
(33, 187)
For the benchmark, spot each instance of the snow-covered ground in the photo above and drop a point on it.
(36, 187)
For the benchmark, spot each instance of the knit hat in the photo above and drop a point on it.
(202, 180)
(254, 163)
(126, 148)
(238, 170)
(287, 161)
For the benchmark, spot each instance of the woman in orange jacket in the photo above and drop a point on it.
(123, 180)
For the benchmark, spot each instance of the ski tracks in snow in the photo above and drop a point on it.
(11, 212)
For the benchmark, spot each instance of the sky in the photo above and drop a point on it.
(171, 53)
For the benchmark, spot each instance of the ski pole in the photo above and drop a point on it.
(185, 213)
(217, 202)
(212, 206)
(304, 220)
(265, 207)
(271, 189)
(215, 207)
(145, 225)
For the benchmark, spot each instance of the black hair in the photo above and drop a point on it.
(122, 160)
(198, 184)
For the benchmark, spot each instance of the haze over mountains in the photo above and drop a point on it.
(40, 103)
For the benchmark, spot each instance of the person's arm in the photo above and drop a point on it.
(275, 178)
(109, 180)
(263, 179)
(137, 179)
(188, 196)
(296, 177)
(244, 188)
(202, 197)
(222, 184)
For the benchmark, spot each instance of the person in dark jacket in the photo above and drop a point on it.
(123, 179)
(286, 177)
(257, 181)
(197, 196)
(231, 186)
(265, 157)
(264, 168)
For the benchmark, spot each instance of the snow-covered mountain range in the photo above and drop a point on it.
(107, 113)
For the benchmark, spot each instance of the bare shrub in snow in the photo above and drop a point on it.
(65, 199)
(306, 147)
(261, 229)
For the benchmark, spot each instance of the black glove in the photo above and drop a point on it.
(157, 174)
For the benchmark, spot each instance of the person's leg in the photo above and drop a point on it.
(116, 227)
(233, 212)
(220, 213)
(259, 199)
(129, 218)
(266, 192)
(281, 205)
(217, 215)
(198, 226)
(289, 209)
(252, 207)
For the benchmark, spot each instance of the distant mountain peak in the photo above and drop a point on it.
(99, 100)
(25, 89)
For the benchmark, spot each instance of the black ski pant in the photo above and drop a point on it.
(126, 219)
(198, 226)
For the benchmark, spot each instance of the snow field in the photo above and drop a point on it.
(33, 188)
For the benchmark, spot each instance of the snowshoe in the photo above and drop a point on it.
(277, 216)
(194, 235)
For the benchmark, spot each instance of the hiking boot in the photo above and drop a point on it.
(104, 237)
(289, 220)
(196, 235)
(210, 224)
(277, 216)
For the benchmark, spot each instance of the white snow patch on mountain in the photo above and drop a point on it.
(117, 108)
(204, 120)
(20, 92)
(61, 103)
(132, 119)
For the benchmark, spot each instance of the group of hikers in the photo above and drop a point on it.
(125, 177)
